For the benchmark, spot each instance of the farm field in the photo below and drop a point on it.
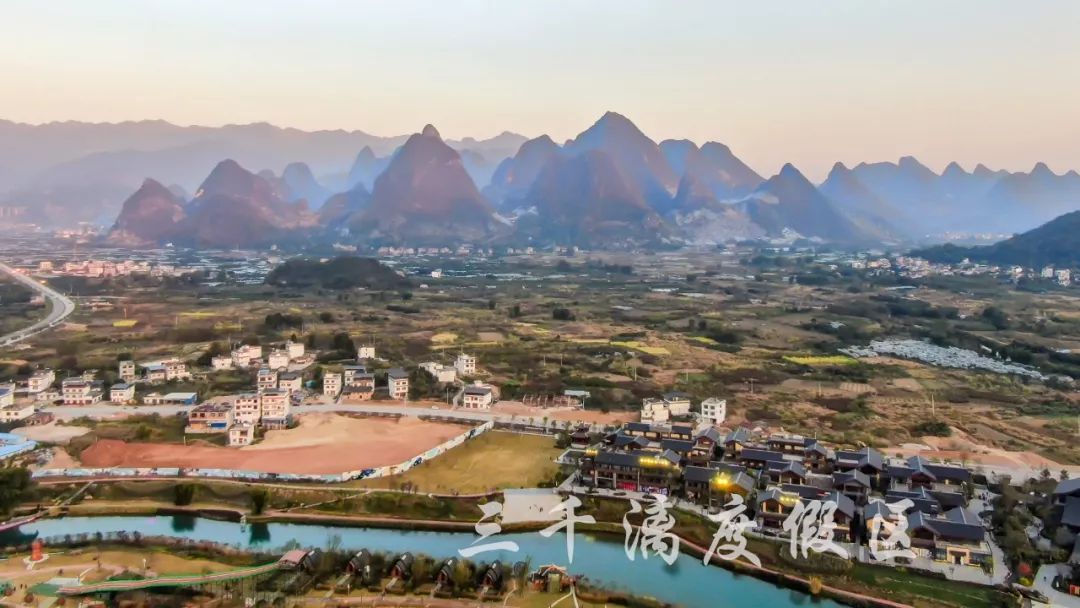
(493, 461)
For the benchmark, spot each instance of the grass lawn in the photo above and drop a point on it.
(905, 586)
(494, 460)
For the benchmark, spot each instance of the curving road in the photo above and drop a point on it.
(62, 306)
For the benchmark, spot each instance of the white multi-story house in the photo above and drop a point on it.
(291, 381)
(210, 418)
(275, 407)
(7, 395)
(714, 411)
(247, 408)
(678, 404)
(15, 413)
(175, 369)
(478, 396)
(77, 391)
(1063, 277)
(127, 371)
(266, 378)
(241, 435)
(397, 383)
(366, 351)
(465, 364)
(331, 384)
(444, 374)
(221, 362)
(654, 410)
(278, 359)
(122, 393)
(246, 355)
(1047, 272)
(40, 381)
(295, 350)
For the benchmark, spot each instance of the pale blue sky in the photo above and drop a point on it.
(808, 82)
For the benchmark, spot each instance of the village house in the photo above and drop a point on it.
(465, 364)
(127, 371)
(867, 460)
(917, 472)
(295, 350)
(444, 374)
(478, 396)
(956, 537)
(275, 407)
(247, 355)
(210, 418)
(291, 381)
(247, 408)
(171, 399)
(241, 435)
(278, 360)
(7, 395)
(175, 369)
(77, 391)
(775, 504)
(640, 471)
(734, 443)
(266, 378)
(40, 381)
(714, 411)
(359, 384)
(155, 373)
(365, 351)
(712, 487)
(122, 393)
(221, 362)
(397, 383)
(706, 446)
(16, 412)
(654, 411)
(356, 375)
(331, 384)
(678, 404)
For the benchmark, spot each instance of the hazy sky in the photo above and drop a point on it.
(809, 82)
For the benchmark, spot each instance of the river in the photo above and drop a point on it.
(687, 582)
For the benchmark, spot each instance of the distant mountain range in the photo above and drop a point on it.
(65, 172)
(610, 186)
(1055, 243)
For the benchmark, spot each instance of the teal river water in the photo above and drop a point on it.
(687, 582)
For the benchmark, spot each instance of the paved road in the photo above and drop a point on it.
(105, 410)
(61, 307)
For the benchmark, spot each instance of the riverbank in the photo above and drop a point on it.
(609, 531)
(854, 584)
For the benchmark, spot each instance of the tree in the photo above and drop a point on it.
(16, 485)
(260, 497)
(344, 345)
(183, 494)
(562, 314)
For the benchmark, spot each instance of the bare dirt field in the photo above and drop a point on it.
(52, 432)
(322, 444)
